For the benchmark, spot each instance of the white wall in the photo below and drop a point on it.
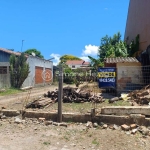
(77, 66)
(35, 61)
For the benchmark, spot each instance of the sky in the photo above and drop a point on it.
(60, 27)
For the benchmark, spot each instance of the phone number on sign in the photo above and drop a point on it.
(107, 79)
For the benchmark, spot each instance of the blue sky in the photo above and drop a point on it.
(58, 27)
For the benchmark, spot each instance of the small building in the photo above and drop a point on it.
(74, 64)
(41, 70)
(128, 72)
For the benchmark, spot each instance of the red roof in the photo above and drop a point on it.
(76, 62)
(9, 51)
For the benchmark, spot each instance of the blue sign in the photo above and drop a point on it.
(107, 77)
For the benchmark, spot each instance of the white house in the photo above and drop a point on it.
(41, 70)
(74, 64)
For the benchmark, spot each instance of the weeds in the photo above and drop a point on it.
(46, 143)
(95, 142)
(11, 91)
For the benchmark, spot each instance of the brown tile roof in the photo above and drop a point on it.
(121, 59)
(77, 62)
(9, 51)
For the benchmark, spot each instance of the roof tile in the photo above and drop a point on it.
(121, 59)
(9, 51)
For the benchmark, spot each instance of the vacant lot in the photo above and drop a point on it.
(32, 134)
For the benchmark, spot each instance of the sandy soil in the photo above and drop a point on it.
(34, 135)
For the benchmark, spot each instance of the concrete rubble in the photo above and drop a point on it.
(128, 129)
(140, 97)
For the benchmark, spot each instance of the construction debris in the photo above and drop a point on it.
(39, 103)
(140, 96)
(70, 95)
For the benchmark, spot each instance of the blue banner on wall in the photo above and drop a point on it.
(107, 77)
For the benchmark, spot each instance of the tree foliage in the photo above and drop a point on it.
(19, 70)
(112, 47)
(133, 47)
(95, 63)
(64, 58)
(35, 51)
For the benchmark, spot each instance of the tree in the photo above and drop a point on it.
(64, 58)
(112, 47)
(19, 70)
(133, 47)
(35, 51)
(95, 63)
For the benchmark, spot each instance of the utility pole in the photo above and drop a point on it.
(22, 45)
(60, 94)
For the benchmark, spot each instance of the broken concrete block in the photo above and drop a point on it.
(105, 126)
(18, 120)
(115, 127)
(89, 124)
(125, 127)
(3, 117)
(55, 124)
(1, 114)
(144, 130)
(63, 124)
(95, 125)
(134, 131)
(48, 123)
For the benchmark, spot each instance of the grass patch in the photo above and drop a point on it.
(66, 138)
(46, 143)
(87, 106)
(10, 91)
(95, 142)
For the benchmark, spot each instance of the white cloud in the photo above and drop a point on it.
(56, 58)
(85, 58)
(90, 50)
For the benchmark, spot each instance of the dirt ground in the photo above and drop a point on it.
(31, 134)
(34, 135)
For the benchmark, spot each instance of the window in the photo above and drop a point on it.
(73, 66)
(3, 69)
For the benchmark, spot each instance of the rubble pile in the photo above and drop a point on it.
(128, 129)
(70, 95)
(141, 96)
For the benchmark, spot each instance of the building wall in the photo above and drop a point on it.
(5, 78)
(33, 62)
(138, 22)
(128, 76)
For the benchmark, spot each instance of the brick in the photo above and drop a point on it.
(125, 127)
(42, 119)
(133, 126)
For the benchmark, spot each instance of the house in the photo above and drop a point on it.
(41, 70)
(128, 72)
(4, 66)
(138, 22)
(74, 64)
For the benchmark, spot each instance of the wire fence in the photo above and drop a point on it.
(127, 78)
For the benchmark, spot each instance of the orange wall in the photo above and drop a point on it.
(138, 22)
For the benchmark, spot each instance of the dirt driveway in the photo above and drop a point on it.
(34, 92)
